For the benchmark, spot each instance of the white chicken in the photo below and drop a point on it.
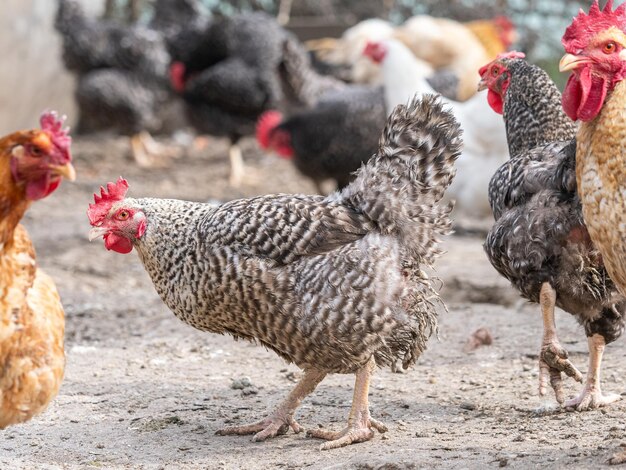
(484, 136)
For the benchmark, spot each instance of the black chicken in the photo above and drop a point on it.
(240, 67)
(333, 138)
(122, 76)
(539, 240)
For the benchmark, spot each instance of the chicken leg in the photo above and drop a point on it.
(150, 154)
(552, 357)
(281, 419)
(360, 423)
(591, 396)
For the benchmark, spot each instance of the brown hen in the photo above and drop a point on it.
(32, 323)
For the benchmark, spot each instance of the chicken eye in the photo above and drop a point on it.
(36, 152)
(495, 72)
(123, 215)
(609, 48)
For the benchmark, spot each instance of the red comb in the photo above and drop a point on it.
(504, 23)
(268, 121)
(511, 55)
(585, 25)
(53, 124)
(113, 193)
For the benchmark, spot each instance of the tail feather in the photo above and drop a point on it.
(401, 185)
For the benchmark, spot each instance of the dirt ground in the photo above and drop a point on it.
(142, 390)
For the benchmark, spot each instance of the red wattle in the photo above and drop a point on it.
(42, 187)
(117, 243)
(584, 95)
(495, 101)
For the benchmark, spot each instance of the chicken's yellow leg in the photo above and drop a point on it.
(360, 423)
(282, 418)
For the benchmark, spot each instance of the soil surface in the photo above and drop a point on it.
(143, 390)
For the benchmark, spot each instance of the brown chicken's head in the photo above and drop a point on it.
(41, 158)
(272, 137)
(116, 219)
(377, 51)
(596, 53)
(495, 77)
(506, 30)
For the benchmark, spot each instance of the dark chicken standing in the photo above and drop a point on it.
(238, 68)
(122, 76)
(539, 240)
(334, 284)
(332, 139)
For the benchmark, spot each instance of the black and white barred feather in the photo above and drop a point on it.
(325, 282)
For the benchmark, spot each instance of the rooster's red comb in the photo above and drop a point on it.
(113, 193)
(266, 124)
(52, 124)
(586, 25)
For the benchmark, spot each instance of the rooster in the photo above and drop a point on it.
(32, 360)
(334, 284)
(237, 69)
(539, 240)
(333, 138)
(484, 137)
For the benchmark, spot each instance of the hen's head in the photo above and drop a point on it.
(377, 51)
(496, 77)
(119, 221)
(40, 158)
(595, 43)
(272, 137)
(506, 30)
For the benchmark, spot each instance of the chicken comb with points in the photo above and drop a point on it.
(113, 193)
(52, 124)
(511, 55)
(586, 25)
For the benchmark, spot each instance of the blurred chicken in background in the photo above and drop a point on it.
(451, 48)
(122, 74)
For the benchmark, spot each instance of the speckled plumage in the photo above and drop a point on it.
(325, 282)
(539, 234)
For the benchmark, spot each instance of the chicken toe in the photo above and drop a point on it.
(591, 396)
(281, 419)
(360, 424)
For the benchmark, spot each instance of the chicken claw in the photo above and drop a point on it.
(269, 427)
(591, 396)
(553, 360)
(354, 433)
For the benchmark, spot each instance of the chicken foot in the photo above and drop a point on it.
(360, 423)
(591, 396)
(281, 419)
(150, 154)
(553, 357)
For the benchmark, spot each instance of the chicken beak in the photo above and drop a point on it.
(67, 171)
(482, 85)
(97, 232)
(571, 62)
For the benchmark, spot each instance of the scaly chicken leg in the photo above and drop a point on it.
(552, 357)
(360, 423)
(591, 396)
(281, 419)
(150, 154)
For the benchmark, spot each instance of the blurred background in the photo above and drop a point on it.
(34, 77)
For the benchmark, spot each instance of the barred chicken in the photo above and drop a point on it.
(334, 284)
(32, 360)
(539, 241)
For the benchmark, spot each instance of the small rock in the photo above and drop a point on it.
(249, 391)
(503, 462)
(480, 337)
(468, 406)
(240, 384)
(384, 437)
